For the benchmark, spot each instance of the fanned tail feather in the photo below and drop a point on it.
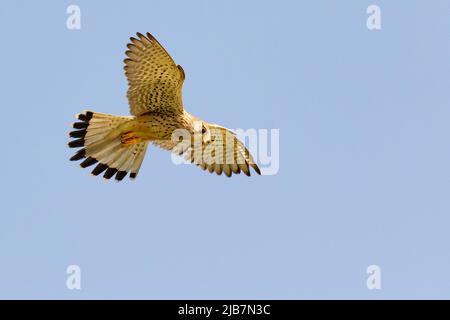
(100, 142)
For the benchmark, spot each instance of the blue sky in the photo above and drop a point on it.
(364, 173)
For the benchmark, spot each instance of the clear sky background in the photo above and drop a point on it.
(364, 152)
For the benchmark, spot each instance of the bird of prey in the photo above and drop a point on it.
(117, 144)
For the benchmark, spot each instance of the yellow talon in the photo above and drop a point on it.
(129, 138)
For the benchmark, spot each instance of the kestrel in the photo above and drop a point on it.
(117, 144)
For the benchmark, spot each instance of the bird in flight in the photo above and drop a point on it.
(117, 144)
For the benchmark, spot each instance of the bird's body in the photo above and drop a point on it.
(157, 125)
(119, 143)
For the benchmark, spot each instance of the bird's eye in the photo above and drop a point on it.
(203, 130)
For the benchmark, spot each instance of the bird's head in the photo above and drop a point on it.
(202, 128)
(198, 127)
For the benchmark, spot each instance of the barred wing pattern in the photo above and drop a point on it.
(222, 153)
(154, 80)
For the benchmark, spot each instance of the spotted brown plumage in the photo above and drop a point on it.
(117, 144)
(155, 81)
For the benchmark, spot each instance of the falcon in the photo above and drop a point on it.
(117, 144)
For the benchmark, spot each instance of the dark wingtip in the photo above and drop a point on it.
(89, 115)
(133, 175)
(80, 125)
(79, 155)
(76, 143)
(228, 174)
(120, 175)
(109, 173)
(99, 169)
(256, 168)
(85, 116)
(245, 168)
(183, 74)
(82, 117)
(88, 162)
(77, 133)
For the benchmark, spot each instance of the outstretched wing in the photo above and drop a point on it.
(154, 80)
(220, 152)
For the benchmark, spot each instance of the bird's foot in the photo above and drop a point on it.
(129, 138)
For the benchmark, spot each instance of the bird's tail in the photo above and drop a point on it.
(101, 138)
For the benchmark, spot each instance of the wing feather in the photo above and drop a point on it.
(224, 153)
(154, 80)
